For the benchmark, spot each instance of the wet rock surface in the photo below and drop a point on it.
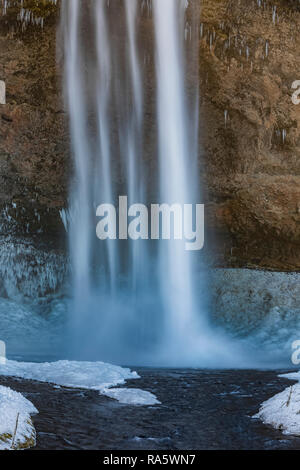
(222, 404)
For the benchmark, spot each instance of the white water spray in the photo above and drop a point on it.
(133, 301)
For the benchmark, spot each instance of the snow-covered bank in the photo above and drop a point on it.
(88, 375)
(283, 410)
(16, 428)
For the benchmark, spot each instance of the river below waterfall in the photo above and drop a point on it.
(221, 403)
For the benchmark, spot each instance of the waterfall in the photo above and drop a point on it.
(133, 301)
(176, 180)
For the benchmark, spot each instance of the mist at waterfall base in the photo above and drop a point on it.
(136, 302)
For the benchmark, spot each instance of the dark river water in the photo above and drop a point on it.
(199, 410)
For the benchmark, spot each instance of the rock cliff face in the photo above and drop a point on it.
(250, 57)
(250, 135)
(33, 133)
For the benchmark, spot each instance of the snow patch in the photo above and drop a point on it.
(291, 376)
(283, 411)
(132, 396)
(16, 428)
(87, 375)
